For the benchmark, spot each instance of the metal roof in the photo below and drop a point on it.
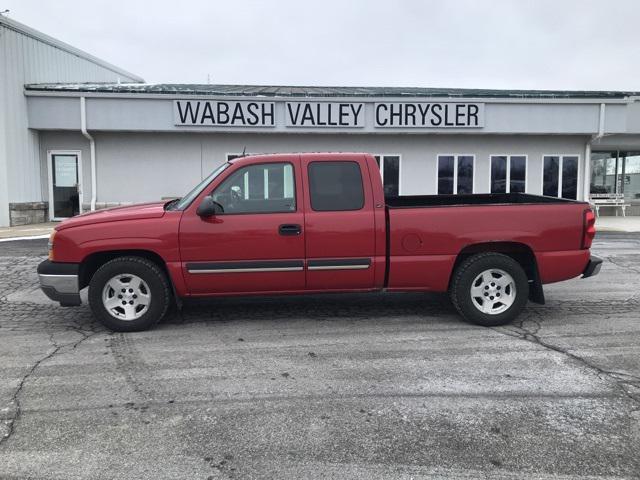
(316, 91)
(37, 35)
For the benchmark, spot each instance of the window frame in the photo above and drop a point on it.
(381, 168)
(321, 162)
(579, 188)
(456, 156)
(508, 169)
(295, 190)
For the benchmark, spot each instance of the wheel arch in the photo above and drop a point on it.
(92, 262)
(520, 252)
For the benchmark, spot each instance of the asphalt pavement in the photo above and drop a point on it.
(341, 386)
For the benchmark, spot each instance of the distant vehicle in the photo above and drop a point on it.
(310, 223)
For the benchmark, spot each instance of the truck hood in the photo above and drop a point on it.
(130, 212)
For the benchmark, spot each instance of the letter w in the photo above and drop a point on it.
(188, 112)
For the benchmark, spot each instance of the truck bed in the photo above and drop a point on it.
(426, 234)
(417, 201)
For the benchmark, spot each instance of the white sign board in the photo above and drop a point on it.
(428, 115)
(213, 113)
(66, 170)
(324, 114)
(328, 114)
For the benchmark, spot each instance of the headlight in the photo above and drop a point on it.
(50, 244)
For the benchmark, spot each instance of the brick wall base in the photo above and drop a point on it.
(28, 213)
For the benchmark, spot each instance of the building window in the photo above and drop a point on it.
(390, 171)
(560, 176)
(335, 186)
(508, 173)
(455, 174)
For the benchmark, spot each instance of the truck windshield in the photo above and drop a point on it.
(185, 201)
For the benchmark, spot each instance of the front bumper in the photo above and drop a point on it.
(593, 267)
(59, 282)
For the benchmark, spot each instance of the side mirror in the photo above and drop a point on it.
(209, 207)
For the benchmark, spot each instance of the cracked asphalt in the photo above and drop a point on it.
(355, 386)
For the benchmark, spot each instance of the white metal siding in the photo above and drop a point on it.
(137, 167)
(23, 60)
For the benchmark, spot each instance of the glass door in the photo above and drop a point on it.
(64, 184)
(616, 172)
(629, 176)
(604, 166)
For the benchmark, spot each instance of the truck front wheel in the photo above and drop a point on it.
(489, 289)
(129, 294)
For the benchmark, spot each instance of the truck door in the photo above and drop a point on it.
(339, 223)
(257, 243)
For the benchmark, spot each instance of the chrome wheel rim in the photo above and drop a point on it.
(493, 291)
(126, 297)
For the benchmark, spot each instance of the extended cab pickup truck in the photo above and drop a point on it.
(310, 223)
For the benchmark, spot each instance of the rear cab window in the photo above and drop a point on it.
(335, 186)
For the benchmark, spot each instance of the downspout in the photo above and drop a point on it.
(586, 184)
(92, 149)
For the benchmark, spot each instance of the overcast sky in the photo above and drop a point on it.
(557, 44)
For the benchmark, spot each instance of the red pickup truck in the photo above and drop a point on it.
(310, 223)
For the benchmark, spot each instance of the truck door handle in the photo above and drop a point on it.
(289, 229)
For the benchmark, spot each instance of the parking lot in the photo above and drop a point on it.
(353, 386)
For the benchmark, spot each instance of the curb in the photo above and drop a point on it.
(31, 237)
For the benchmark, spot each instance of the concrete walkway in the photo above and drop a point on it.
(40, 230)
(618, 224)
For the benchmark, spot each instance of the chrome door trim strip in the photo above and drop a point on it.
(245, 266)
(339, 264)
(246, 270)
(338, 267)
(254, 266)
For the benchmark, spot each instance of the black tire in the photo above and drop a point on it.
(469, 270)
(153, 276)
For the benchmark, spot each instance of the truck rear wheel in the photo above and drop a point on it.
(129, 294)
(489, 289)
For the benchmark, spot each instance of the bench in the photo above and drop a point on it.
(615, 200)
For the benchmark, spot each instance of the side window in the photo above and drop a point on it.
(550, 176)
(389, 166)
(264, 188)
(445, 174)
(455, 174)
(570, 177)
(508, 173)
(335, 186)
(560, 176)
(499, 173)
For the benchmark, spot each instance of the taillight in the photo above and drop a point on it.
(588, 228)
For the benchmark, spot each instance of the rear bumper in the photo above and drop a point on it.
(593, 267)
(59, 282)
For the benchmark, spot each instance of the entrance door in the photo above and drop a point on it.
(616, 172)
(64, 184)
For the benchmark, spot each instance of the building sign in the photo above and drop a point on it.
(327, 114)
(207, 113)
(324, 114)
(429, 115)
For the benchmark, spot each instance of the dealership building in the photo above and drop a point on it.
(77, 134)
